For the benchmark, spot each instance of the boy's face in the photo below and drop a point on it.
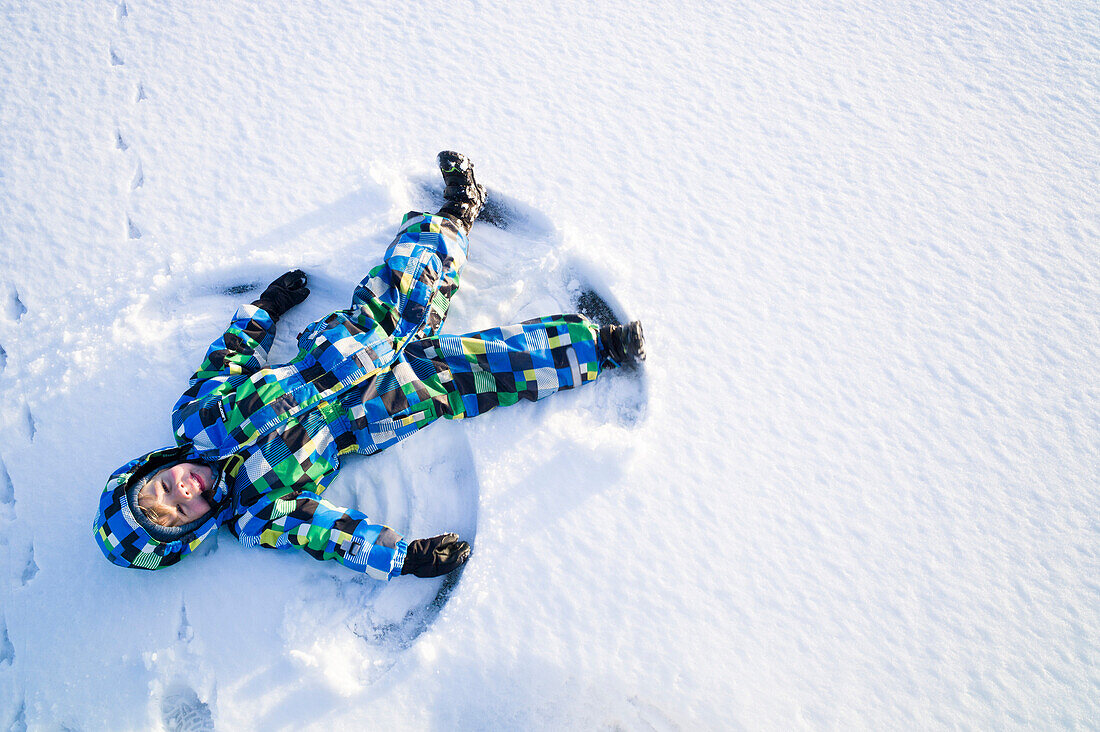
(176, 492)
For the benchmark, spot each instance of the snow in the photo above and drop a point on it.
(856, 485)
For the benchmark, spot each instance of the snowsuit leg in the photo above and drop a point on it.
(410, 292)
(458, 376)
(402, 299)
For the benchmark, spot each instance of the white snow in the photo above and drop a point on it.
(857, 485)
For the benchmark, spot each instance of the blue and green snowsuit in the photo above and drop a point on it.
(364, 379)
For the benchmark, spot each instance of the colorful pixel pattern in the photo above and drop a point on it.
(364, 379)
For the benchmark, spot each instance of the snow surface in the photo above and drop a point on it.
(857, 485)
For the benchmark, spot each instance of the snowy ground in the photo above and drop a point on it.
(857, 485)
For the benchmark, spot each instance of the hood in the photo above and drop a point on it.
(127, 538)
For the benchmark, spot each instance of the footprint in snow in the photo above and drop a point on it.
(131, 229)
(30, 567)
(185, 632)
(121, 12)
(183, 711)
(7, 650)
(138, 180)
(7, 488)
(180, 706)
(116, 60)
(140, 96)
(16, 309)
(119, 142)
(19, 724)
(28, 422)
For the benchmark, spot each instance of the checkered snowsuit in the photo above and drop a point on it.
(364, 379)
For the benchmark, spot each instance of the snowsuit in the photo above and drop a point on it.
(364, 379)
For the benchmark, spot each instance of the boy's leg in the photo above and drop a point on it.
(499, 366)
(459, 376)
(405, 296)
(409, 293)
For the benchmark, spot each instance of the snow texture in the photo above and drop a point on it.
(855, 485)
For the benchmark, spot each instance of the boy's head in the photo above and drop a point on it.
(158, 508)
(174, 495)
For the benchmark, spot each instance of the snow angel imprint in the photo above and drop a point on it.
(257, 444)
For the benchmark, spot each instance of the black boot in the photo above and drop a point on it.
(463, 194)
(621, 344)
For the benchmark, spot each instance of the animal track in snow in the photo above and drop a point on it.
(7, 488)
(30, 569)
(28, 420)
(121, 12)
(7, 650)
(119, 142)
(19, 724)
(16, 308)
(185, 632)
(116, 60)
(132, 230)
(183, 711)
(138, 180)
(3, 359)
(140, 97)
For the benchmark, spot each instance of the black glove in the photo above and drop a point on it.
(435, 556)
(283, 294)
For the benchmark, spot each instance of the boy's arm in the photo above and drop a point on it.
(324, 531)
(242, 350)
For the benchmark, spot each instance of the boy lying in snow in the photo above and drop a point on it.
(257, 445)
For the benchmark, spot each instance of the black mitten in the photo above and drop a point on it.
(284, 293)
(435, 556)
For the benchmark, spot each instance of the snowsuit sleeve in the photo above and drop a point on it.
(324, 531)
(240, 352)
